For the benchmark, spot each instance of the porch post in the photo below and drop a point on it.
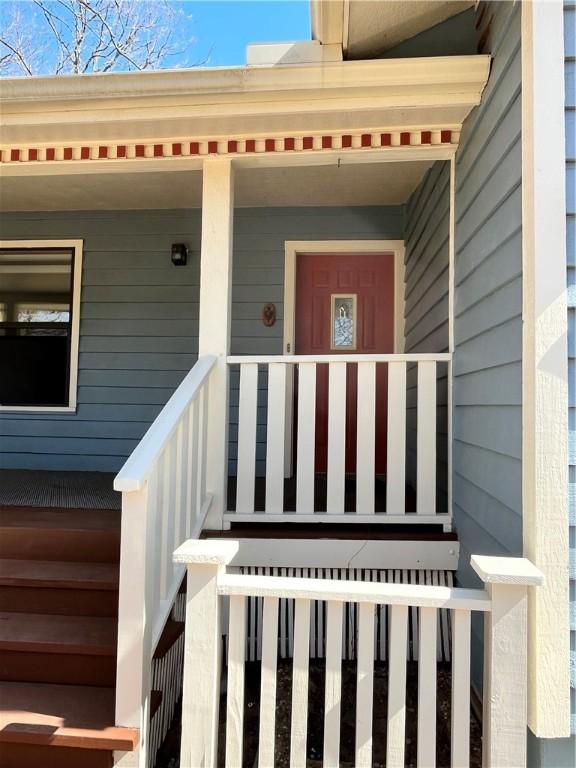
(205, 560)
(214, 327)
(505, 689)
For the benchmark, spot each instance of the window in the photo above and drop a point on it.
(39, 323)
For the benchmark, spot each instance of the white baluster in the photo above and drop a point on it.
(300, 672)
(365, 685)
(460, 731)
(336, 475)
(333, 685)
(266, 737)
(426, 440)
(365, 438)
(247, 422)
(396, 450)
(427, 688)
(397, 686)
(235, 692)
(275, 437)
(306, 437)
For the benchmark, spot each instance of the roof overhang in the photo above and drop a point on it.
(367, 28)
(168, 121)
(238, 102)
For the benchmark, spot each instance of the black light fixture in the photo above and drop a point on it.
(179, 254)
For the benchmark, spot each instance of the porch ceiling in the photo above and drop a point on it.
(347, 185)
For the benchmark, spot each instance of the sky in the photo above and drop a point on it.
(223, 28)
(209, 33)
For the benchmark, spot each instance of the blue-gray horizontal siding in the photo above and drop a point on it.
(426, 234)
(138, 335)
(570, 113)
(487, 475)
(139, 317)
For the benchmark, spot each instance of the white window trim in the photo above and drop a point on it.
(77, 246)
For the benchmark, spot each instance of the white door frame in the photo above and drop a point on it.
(293, 248)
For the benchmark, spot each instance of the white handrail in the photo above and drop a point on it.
(137, 468)
(443, 357)
(417, 595)
(165, 500)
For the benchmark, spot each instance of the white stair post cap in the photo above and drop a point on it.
(206, 552)
(515, 571)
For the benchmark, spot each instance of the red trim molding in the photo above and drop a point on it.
(193, 147)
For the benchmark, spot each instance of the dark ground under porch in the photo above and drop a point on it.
(169, 754)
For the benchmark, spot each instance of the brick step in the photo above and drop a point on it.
(73, 535)
(57, 649)
(59, 725)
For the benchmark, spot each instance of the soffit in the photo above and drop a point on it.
(367, 28)
(346, 185)
(374, 27)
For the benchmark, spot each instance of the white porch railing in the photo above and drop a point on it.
(164, 502)
(411, 388)
(503, 603)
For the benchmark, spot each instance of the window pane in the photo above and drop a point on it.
(35, 303)
(42, 313)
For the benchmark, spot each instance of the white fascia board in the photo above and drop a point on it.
(209, 102)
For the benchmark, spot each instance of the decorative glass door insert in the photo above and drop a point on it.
(343, 321)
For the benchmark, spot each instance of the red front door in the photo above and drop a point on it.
(345, 305)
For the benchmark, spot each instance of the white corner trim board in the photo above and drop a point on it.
(545, 373)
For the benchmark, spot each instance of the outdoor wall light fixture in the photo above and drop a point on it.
(179, 254)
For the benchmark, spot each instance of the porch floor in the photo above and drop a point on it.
(69, 490)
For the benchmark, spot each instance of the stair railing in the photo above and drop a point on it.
(397, 401)
(164, 502)
(503, 603)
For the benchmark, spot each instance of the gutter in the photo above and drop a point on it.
(210, 84)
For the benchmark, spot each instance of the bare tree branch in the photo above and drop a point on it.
(18, 56)
(85, 36)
